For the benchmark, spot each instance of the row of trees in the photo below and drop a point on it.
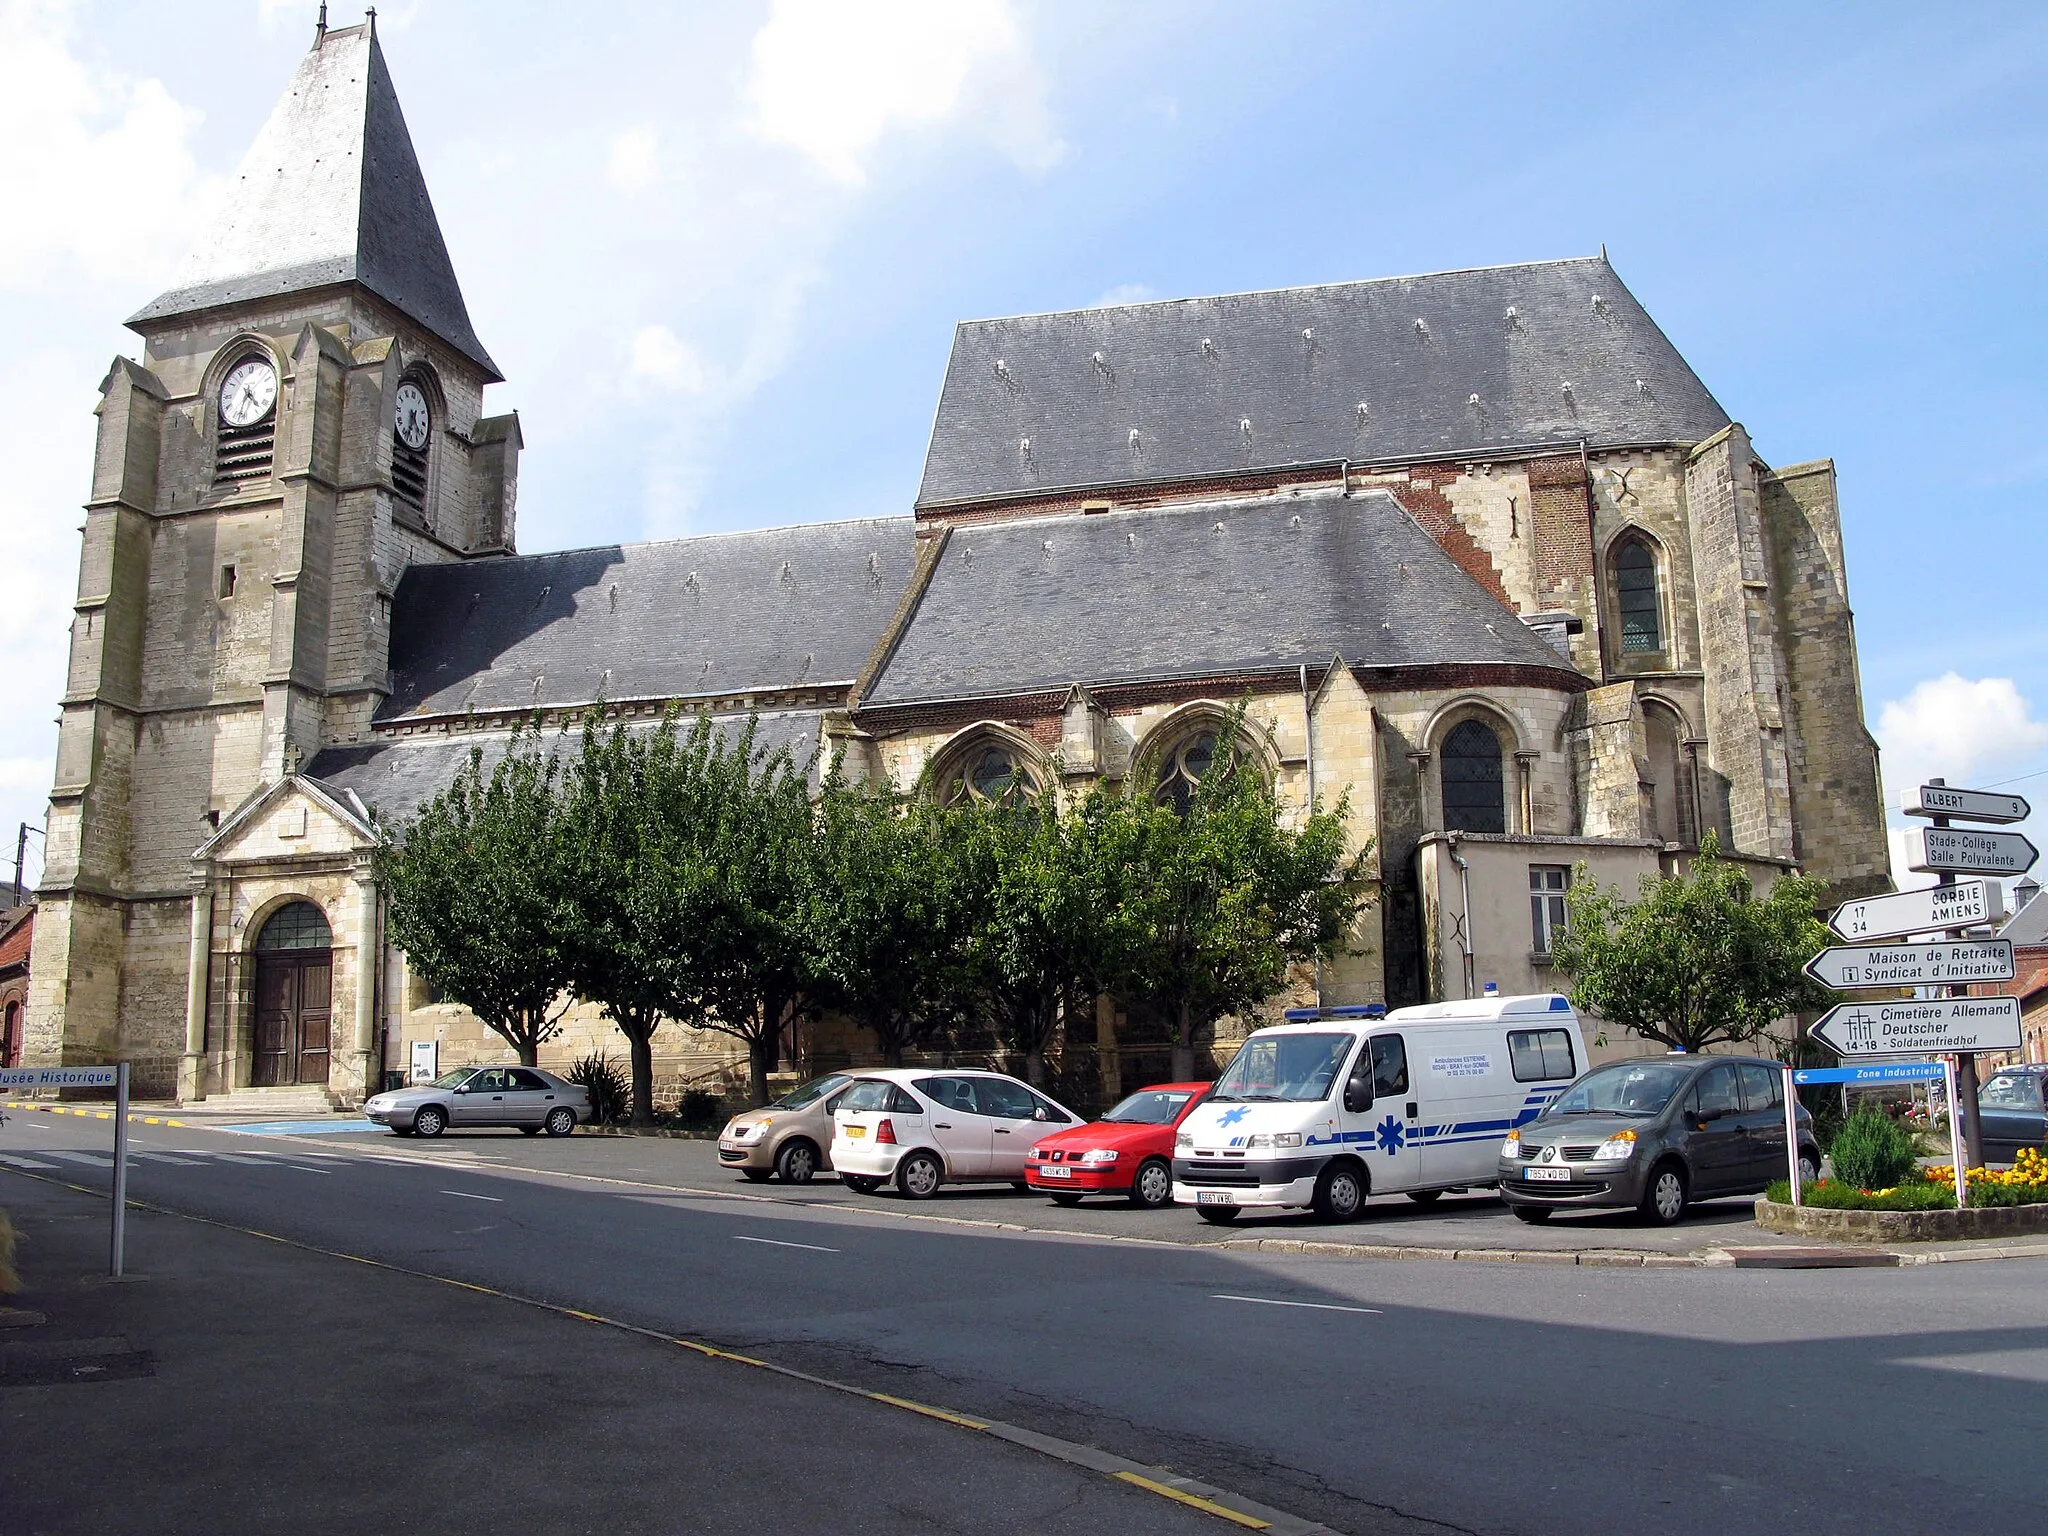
(683, 873)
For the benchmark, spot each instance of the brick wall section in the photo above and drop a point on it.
(1559, 516)
(1837, 801)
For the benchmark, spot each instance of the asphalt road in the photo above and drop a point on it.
(1373, 1396)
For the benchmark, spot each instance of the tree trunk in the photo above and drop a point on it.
(640, 1045)
(1183, 1046)
(760, 1052)
(1034, 1068)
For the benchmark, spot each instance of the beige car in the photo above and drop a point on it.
(790, 1138)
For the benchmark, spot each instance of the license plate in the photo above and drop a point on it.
(855, 1132)
(1214, 1197)
(1055, 1172)
(1548, 1175)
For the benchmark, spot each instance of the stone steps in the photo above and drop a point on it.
(274, 1103)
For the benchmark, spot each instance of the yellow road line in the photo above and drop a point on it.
(929, 1412)
(92, 1114)
(1193, 1501)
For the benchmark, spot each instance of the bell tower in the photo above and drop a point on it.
(306, 422)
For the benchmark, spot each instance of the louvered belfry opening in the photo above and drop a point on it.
(243, 454)
(409, 473)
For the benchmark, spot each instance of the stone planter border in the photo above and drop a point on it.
(1901, 1226)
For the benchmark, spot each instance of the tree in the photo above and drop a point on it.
(1697, 959)
(475, 894)
(885, 912)
(1210, 907)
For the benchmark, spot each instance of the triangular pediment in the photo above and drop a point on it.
(294, 818)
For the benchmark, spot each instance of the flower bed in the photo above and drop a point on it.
(2002, 1202)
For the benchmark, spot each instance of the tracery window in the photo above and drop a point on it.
(990, 774)
(297, 926)
(1474, 797)
(1182, 768)
(1635, 588)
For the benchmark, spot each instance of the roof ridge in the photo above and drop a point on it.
(495, 562)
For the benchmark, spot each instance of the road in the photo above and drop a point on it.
(1371, 1396)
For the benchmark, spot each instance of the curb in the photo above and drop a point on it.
(1605, 1258)
(99, 1114)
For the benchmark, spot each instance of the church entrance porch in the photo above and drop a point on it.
(294, 998)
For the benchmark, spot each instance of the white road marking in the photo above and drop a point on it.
(1315, 1306)
(165, 1157)
(90, 1159)
(27, 1162)
(772, 1243)
(465, 1195)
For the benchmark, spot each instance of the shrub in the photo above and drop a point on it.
(700, 1110)
(1872, 1151)
(605, 1080)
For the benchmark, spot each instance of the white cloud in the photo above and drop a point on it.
(661, 357)
(635, 160)
(1970, 732)
(1125, 293)
(830, 78)
(76, 141)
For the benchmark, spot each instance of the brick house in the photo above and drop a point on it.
(17, 936)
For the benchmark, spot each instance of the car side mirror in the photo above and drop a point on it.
(1040, 1114)
(1357, 1095)
(1707, 1116)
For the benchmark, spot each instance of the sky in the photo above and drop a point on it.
(718, 249)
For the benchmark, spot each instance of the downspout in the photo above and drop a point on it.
(1465, 900)
(1308, 736)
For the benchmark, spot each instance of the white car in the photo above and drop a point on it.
(925, 1126)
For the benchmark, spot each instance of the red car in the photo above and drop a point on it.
(1129, 1151)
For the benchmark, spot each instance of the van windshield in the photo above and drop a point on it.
(1639, 1088)
(1299, 1067)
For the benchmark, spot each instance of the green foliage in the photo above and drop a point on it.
(1872, 1151)
(1697, 959)
(700, 1110)
(607, 1084)
(1837, 1195)
(476, 894)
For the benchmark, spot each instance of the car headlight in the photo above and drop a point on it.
(1512, 1147)
(1617, 1148)
(1099, 1156)
(1287, 1138)
(1184, 1142)
(1260, 1140)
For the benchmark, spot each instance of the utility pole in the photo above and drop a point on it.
(21, 856)
(1962, 1107)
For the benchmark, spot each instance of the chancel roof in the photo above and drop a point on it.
(1197, 590)
(715, 615)
(330, 192)
(1452, 362)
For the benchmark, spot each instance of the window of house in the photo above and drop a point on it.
(1540, 1055)
(1547, 911)
(1182, 770)
(1635, 584)
(991, 774)
(1474, 797)
(297, 926)
(227, 581)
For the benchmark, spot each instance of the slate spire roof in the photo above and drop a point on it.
(1399, 368)
(330, 192)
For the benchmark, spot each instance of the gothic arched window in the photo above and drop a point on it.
(991, 773)
(1474, 798)
(297, 926)
(1183, 767)
(1635, 593)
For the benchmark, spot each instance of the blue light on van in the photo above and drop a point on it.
(1560, 1005)
(1345, 1011)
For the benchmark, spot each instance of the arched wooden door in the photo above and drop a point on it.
(294, 998)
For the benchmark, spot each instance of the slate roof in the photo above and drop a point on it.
(2029, 925)
(395, 776)
(718, 614)
(1297, 364)
(1195, 590)
(330, 192)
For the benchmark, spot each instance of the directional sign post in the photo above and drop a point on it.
(1967, 851)
(1844, 968)
(1920, 1027)
(1886, 1072)
(1965, 804)
(115, 1078)
(1967, 904)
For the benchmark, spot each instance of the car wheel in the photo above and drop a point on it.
(529, 1130)
(1425, 1196)
(797, 1162)
(1535, 1215)
(1340, 1194)
(860, 1183)
(1217, 1215)
(561, 1120)
(1153, 1187)
(1066, 1199)
(429, 1120)
(756, 1175)
(1663, 1201)
(919, 1176)
(1809, 1169)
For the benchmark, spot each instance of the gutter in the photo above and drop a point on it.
(1465, 899)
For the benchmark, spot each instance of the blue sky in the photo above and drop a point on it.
(719, 249)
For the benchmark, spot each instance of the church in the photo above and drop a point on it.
(1476, 550)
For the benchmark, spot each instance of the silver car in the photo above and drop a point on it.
(525, 1097)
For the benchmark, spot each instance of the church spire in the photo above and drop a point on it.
(331, 192)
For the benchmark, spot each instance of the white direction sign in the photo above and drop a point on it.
(1965, 850)
(1966, 904)
(59, 1077)
(1964, 804)
(1913, 965)
(1922, 1027)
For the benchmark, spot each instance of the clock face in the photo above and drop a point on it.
(248, 392)
(412, 416)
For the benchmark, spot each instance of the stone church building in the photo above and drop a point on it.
(1476, 548)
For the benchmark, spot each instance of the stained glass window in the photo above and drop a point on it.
(298, 926)
(1181, 769)
(1635, 582)
(1473, 797)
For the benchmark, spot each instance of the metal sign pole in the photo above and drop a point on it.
(1792, 1132)
(120, 1168)
(1955, 1133)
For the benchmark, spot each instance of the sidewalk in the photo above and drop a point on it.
(238, 1384)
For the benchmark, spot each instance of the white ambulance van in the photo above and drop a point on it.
(1341, 1103)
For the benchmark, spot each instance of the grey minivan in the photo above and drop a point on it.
(1657, 1133)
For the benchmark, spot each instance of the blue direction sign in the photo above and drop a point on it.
(1889, 1072)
